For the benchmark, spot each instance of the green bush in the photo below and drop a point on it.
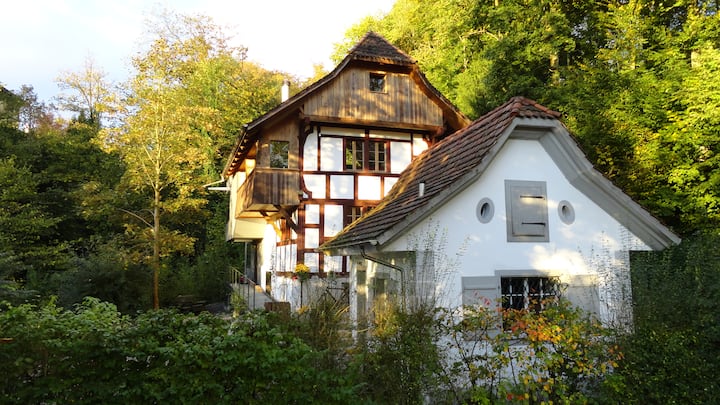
(399, 361)
(96, 355)
(674, 352)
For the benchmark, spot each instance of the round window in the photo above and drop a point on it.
(566, 212)
(485, 210)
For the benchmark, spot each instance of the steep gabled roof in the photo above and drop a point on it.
(454, 163)
(372, 48)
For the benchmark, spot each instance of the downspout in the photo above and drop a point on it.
(390, 265)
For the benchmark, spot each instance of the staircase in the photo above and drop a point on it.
(251, 294)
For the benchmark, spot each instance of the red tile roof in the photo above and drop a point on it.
(439, 167)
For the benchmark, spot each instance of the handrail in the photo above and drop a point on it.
(237, 278)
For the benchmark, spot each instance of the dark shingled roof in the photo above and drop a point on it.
(373, 47)
(439, 167)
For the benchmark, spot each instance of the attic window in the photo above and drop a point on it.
(526, 208)
(279, 154)
(377, 82)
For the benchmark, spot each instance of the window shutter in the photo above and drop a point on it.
(483, 291)
(527, 210)
(582, 292)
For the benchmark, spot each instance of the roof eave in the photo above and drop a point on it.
(577, 169)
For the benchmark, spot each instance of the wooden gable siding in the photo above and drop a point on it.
(286, 130)
(348, 97)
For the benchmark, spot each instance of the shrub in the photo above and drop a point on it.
(96, 355)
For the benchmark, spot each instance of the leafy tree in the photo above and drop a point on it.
(674, 351)
(87, 92)
(24, 225)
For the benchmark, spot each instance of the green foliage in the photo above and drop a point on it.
(96, 355)
(674, 352)
(104, 277)
(400, 362)
(560, 355)
(25, 227)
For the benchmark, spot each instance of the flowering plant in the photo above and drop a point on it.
(302, 271)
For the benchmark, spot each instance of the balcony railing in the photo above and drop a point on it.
(267, 189)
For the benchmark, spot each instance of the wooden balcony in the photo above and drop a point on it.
(266, 190)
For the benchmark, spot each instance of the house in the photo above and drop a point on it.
(506, 211)
(307, 168)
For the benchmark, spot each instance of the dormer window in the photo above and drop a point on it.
(377, 82)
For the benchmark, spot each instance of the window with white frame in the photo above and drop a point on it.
(526, 207)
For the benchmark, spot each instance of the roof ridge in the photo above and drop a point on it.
(373, 46)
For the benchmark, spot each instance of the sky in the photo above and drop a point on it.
(40, 39)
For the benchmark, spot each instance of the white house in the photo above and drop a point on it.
(506, 210)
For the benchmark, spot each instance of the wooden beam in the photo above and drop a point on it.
(374, 123)
(288, 217)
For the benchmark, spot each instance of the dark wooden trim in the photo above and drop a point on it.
(374, 124)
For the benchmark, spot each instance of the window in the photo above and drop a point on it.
(357, 149)
(526, 205)
(376, 158)
(377, 82)
(279, 154)
(353, 213)
(528, 293)
(354, 154)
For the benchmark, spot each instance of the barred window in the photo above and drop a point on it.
(528, 293)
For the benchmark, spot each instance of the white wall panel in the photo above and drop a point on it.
(312, 238)
(400, 156)
(331, 154)
(342, 187)
(369, 188)
(333, 219)
(315, 183)
(310, 153)
(312, 214)
(389, 183)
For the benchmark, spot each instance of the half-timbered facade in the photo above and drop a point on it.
(303, 171)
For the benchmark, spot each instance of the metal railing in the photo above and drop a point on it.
(245, 288)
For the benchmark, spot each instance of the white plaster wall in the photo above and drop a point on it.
(594, 244)
(310, 152)
(400, 156)
(331, 154)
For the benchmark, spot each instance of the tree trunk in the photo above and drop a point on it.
(156, 251)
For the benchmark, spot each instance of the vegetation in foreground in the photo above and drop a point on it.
(95, 354)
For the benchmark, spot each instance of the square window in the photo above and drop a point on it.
(528, 293)
(526, 208)
(377, 82)
(279, 151)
